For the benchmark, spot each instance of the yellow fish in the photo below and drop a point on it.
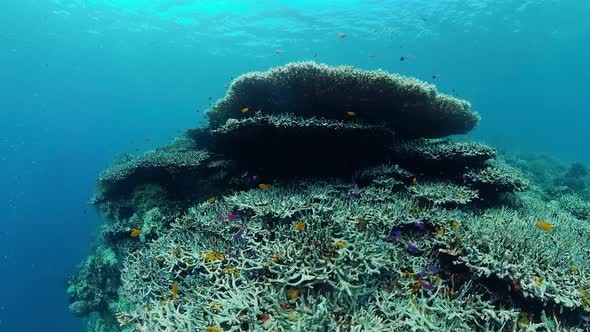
(292, 293)
(136, 232)
(245, 109)
(212, 200)
(439, 231)
(174, 290)
(454, 224)
(414, 180)
(351, 113)
(545, 226)
(263, 186)
(300, 226)
(340, 244)
(211, 328)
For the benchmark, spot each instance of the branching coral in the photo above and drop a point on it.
(441, 193)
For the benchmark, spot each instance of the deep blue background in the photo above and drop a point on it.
(83, 81)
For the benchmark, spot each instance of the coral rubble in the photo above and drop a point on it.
(317, 200)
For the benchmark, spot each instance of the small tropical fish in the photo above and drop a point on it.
(225, 86)
(394, 235)
(420, 225)
(245, 109)
(174, 290)
(408, 56)
(414, 180)
(263, 186)
(350, 113)
(233, 216)
(232, 255)
(407, 274)
(412, 247)
(148, 139)
(574, 269)
(254, 177)
(422, 274)
(426, 286)
(212, 200)
(264, 318)
(371, 55)
(461, 195)
(538, 281)
(340, 244)
(239, 234)
(300, 226)
(341, 35)
(454, 224)
(401, 59)
(278, 51)
(545, 225)
(292, 293)
(439, 231)
(212, 328)
(136, 232)
(433, 269)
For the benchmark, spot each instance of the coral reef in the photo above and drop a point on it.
(314, 202)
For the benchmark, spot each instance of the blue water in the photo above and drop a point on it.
(85, 81)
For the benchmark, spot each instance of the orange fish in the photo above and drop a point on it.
(263, 186)
(279, 51)
(300, 226)
(264, 318)
(174, 290)
(245, 110)
(341, 35)
(136, 232)
(545, 226)
(351, 113)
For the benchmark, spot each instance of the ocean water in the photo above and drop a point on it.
(83, 82)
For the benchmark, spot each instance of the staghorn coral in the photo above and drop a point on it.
(434, 155)
(440, 193)
(495, 179)
(573, 204)
(406, 105)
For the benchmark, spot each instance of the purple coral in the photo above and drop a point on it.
(412, 247)
(239, 234)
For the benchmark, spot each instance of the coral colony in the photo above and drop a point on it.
(335, 203)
